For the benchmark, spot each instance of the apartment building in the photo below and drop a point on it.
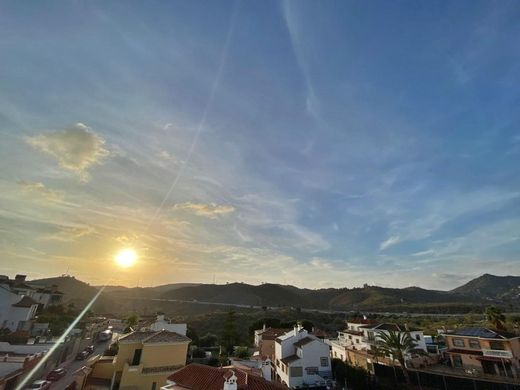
(301, 359)
(486, 351)
(144, 360)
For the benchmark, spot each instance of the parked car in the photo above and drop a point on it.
(56, 375)
(82, 355)
(105, 335)
(39, 385)
(89, 349)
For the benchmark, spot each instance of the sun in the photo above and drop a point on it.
(126, 258)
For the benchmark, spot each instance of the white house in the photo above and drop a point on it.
(16, 312)
(162, 323)
(301, 359)
(372, 334)
(47, 296)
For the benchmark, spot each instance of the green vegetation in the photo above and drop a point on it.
(397, 345)
(58, 317)
(131, 321)
(495, 317)
(230, 336)
(242, 352)
(347, 375)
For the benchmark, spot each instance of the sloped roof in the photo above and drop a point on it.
(390, 327)
(305, 340)
(151, 337)
(289, 359)
(25, 302)
(200, 377)
(272, 332)
(483, 333)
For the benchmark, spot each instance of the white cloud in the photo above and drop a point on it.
(39, 189)
(388, 243)
(69, 233)
(209, 210)
(424, 253)
(76, 148)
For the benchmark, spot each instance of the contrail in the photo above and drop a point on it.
(202, 121)
(47, 355)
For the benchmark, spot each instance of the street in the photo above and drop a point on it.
(74, 365)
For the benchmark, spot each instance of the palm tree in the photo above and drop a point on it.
(495, 317)
(397, 345)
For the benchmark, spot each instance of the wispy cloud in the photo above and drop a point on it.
(76, 148)
(389, 242)
(69, 233)
(39, 190)
(209, 210)
(291, 20)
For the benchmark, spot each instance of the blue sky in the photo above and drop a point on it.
(312, 143)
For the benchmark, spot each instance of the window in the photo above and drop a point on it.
(335, 354)
(457, 361)
(341, 356)
(459, 343)
(357, 341)
(137, 357)
(496, 345)
(474, 344)
(350, 337)
(277, 363)
(418, 337)
(296, 371)
(324, 361)
(312, 370)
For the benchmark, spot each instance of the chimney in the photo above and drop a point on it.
(264, 327)
(20, 278)
(295, 329)
(406, 327)
(230, 381)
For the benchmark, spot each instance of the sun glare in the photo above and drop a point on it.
(126, 258)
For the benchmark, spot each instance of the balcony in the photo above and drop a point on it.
(497, 353)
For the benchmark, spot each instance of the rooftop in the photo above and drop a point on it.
(305, 340)
(200, 377)
(483, 333)
(25, 302)
(289, 359)
(153, 337)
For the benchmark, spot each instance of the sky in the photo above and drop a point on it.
(313, 143)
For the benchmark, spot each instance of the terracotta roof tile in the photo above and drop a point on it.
(200, 377)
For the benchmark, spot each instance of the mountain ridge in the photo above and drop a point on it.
(483, 290)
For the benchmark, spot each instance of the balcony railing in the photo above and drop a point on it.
(497, 353)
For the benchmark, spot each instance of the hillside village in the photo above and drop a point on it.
(149, 352)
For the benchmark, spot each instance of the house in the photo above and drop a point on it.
(143, 362)
(16, 311)
(44, 296)
(47, 296)
(372, 334)
(265, 340)
(301, 359)
(162, 323)
(483, 350)
(357, 344)
(200, 377)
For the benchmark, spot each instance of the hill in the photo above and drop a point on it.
(484, 290)
(77, 292)
(492, 287)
